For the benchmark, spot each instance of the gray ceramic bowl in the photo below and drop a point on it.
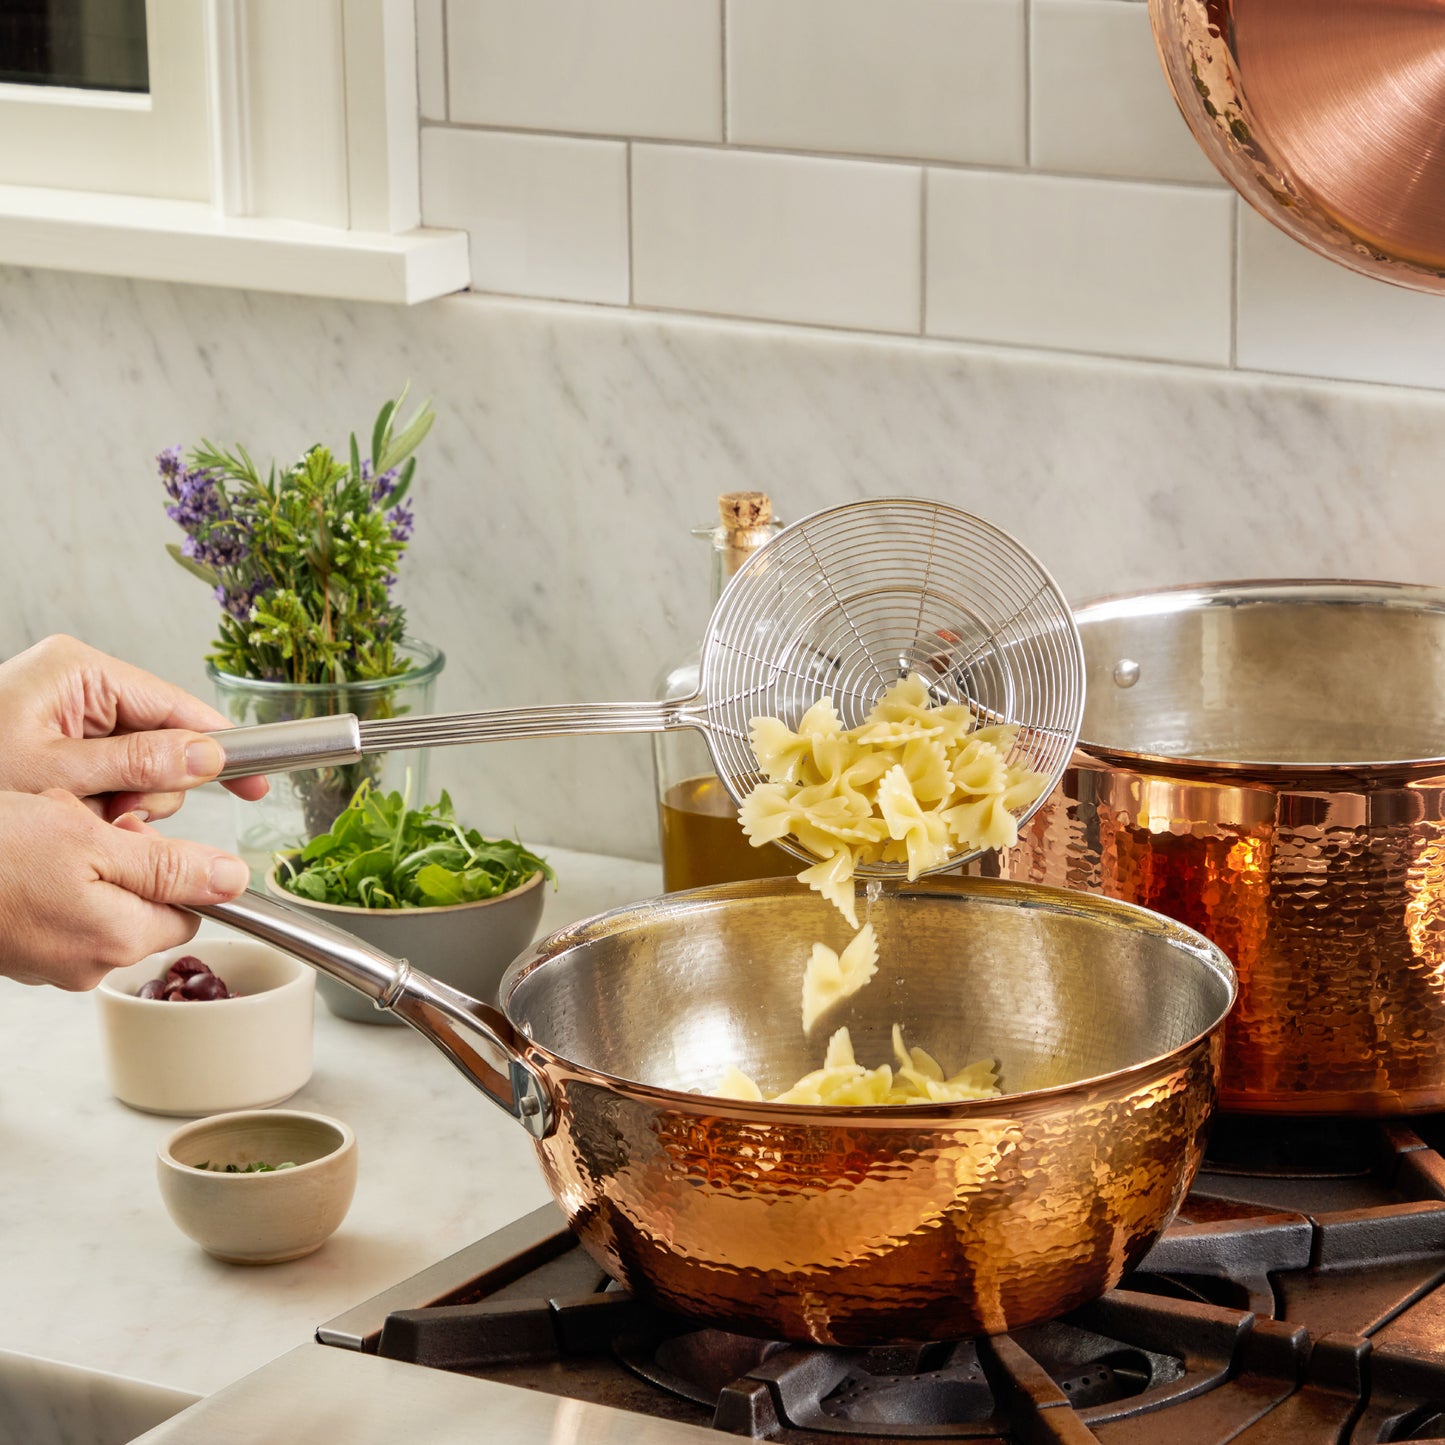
(468, 945)
(259, 1218)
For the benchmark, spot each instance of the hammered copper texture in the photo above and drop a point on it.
(849, 1225)
(1325, 116)
(848, 1232)
(1331, 903)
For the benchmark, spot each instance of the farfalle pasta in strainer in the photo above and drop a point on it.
(916, 784)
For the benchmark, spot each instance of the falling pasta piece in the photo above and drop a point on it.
(833, 878)
(830, 977)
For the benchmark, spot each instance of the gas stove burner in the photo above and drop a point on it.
(756, 1388)
(1297, 1299)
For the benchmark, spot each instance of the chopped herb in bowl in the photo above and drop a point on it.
(382, 854)
(256, 1168)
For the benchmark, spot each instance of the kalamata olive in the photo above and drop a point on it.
(187, 980)
(184, 967)
(203, 986)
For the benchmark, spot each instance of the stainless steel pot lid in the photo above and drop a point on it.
(1267, 677)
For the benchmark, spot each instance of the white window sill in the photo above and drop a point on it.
(187, 241)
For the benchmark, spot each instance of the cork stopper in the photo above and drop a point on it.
(742, 510)
(747, 522)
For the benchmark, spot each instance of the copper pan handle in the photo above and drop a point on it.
(477, 1038)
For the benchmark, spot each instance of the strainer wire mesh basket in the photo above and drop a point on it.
(850, 600)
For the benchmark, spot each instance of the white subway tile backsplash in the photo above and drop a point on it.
(626, 68)
(785, 238)
(1099, 101)
(547, 215)
(1299, 312)
(998, 171)
(431, 59)
(933, 79)
(1118, 268)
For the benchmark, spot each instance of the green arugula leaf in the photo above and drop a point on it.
(382, 854)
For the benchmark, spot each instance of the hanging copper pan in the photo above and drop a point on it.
(1327, 116)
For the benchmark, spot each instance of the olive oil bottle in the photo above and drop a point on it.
(697, 820)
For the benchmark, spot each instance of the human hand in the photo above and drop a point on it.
(79, 896)
(116, 737)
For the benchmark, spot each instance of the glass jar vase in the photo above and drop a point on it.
(302, 805)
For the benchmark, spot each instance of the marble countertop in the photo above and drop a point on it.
(95, 1274)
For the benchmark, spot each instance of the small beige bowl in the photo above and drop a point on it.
(468, 945)
(203, 1058)
(259, 1218)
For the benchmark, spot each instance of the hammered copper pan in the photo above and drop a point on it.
(1265, 761)
(849, 1225)
(1325, 115)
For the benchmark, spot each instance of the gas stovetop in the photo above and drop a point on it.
(1295, 1299)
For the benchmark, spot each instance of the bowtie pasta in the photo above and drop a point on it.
(831, 977)
(919, 1079)
(915, 783)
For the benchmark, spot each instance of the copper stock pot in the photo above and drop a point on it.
(1265, 761)
(841, 1225)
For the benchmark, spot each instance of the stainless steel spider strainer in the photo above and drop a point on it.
(843, 604)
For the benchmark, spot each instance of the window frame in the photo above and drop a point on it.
(309, 125)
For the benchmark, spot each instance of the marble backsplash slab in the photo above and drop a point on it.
(576, 446)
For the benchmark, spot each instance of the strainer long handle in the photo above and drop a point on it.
(287, 747)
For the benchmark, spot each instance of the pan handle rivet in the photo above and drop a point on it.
(1126, 672)
(529, 1105)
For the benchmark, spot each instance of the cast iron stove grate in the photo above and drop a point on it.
(1295, 1301)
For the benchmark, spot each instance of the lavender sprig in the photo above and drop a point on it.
(302, 564)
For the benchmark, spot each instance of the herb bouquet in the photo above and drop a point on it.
(303, 562)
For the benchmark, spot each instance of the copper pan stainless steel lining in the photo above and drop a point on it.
(1265, 761)
(841, 1225)
(1328, 117)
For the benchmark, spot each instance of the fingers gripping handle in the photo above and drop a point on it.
(287, 747)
